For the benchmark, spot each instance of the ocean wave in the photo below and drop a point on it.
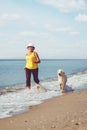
(18, 87)
(17, 99)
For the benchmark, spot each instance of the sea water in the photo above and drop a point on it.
(15, 98)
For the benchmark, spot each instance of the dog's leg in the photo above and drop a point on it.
(63, 88)
(60, 86)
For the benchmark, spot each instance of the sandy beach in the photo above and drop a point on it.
(67, 112)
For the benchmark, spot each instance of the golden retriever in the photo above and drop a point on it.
(62, 79)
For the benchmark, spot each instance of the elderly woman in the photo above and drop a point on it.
(32, 60)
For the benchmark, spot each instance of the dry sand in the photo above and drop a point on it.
(67, 112)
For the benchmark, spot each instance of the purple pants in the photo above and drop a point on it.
(28, 76)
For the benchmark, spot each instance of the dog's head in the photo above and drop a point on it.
(60, 72)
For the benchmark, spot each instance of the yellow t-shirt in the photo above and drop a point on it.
(29, 61)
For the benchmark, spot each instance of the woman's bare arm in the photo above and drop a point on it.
(37, 57)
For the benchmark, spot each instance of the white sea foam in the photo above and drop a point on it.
(18, 102)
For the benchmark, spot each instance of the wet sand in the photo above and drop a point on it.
(67, 112)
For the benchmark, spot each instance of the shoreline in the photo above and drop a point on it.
(65, 112)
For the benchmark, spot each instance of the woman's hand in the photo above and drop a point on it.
(35, 61)
(24, 68)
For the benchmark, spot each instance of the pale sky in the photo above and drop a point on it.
(57, 28)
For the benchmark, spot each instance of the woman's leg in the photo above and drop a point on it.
(28, 78)
(35, 75)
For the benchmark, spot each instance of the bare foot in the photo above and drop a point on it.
(28, 87)
(38, 87)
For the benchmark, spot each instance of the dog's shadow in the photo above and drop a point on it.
(68, 89)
